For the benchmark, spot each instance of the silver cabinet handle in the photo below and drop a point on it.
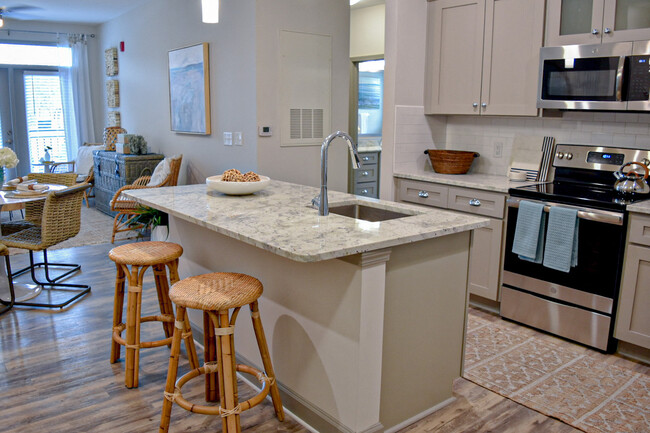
(366, 158)
(364, 192)
(423, 194)
(365, 173)
(594, 31)
(607, 30)
(475, 104)
(474, 202)
(484, 105)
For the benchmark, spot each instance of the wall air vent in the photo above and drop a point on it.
(306, 123)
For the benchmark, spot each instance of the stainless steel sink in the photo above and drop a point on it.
(366, 213)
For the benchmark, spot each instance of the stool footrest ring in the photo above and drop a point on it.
(178, 398)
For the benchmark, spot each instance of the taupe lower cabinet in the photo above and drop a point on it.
(483, 56)
(633, 320)
(485, 250)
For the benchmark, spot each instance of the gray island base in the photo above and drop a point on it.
(365, 320)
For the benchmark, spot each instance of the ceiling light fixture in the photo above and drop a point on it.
(210, 11)
(353, 2)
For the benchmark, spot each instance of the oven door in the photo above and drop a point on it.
(583, 77)
(593, 283)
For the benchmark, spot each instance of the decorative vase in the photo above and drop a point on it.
(2, 176)
(46, 156)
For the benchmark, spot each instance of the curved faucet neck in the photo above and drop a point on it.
(323, 208)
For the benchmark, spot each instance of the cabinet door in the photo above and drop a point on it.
(633, 320)
(514, 31)
(454, 56)
(485, 260)
(574, 22)
(626, 20)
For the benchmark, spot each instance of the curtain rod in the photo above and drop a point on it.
(92, 35)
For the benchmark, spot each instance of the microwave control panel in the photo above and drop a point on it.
(638, 77)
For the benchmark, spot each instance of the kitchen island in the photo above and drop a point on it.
(365, 320)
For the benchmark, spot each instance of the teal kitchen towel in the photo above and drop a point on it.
(561, 250)
(529, 231)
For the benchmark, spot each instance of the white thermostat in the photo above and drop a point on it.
(264, 131)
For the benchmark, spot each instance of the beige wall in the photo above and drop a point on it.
(367, 27)
(149, 32)
(301, 164)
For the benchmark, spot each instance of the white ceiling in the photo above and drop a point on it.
(70, 11)
(85, 11)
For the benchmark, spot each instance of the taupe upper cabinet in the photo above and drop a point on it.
(483, 56)
(594, 21)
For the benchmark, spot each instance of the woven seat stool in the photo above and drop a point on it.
(140, 256)
(216, 294)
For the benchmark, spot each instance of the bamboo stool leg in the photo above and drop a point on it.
(118, 305)
(134, 305)
(266, 359)
(189, 340)
(162, 289)
(172, 372)
(227, 374)
(210, 355)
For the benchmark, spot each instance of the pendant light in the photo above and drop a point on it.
(210, 11)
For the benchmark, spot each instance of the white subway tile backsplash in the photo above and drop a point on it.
(479, 133)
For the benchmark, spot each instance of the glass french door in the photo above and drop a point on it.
(31, 116)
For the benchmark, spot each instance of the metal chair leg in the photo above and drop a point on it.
(9, 305)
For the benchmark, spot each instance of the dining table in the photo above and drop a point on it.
(10, 197)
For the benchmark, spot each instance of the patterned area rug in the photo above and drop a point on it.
(584, 388)
(96, 228)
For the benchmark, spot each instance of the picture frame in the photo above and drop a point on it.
(189, 89)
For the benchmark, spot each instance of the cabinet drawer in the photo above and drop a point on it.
(367, 173)
(423, 193)
(640, 229)
(369, 158)
(477, 202)
(366, 189)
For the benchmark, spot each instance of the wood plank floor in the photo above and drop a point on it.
(56, 376)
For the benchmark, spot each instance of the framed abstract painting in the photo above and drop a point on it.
(189, 89)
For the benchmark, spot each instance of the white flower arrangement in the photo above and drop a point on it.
(8, 158)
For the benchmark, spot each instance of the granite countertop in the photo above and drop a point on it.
(641, 207)
(280, 219)
(486, 182)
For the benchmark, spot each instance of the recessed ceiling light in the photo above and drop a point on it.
(353, 2)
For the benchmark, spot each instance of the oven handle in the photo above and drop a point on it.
(601, 216)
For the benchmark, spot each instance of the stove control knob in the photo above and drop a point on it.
(560, 155)
(569, 156)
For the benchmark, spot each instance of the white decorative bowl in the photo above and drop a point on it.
(236, 188)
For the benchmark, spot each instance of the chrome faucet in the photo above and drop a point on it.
(320, 200)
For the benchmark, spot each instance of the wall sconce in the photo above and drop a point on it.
(210, 11)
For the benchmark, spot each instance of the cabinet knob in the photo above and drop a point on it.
(423, 194)
(365, 158)
(474, 202)
(607, 30)
(595, 31)
(364, 192)
(484, 105)
(365, 173)
(475, 105)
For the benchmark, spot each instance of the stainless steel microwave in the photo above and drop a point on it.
(612, 76)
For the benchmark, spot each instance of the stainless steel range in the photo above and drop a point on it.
(579, 304)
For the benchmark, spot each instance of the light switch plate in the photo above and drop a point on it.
(227, 138)
(237, 138)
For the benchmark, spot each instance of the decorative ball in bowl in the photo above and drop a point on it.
(232, 182)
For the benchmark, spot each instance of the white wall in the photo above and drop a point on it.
(331, 17)
(367, 28)
(149, 32)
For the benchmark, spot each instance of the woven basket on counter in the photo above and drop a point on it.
(451, 161)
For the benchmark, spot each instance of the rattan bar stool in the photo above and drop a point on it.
(216, 294)
(140, 256)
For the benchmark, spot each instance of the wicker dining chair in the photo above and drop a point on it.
(61, 220)
(84, 158)
(126, 208)
(34, 209)
(5, 280)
